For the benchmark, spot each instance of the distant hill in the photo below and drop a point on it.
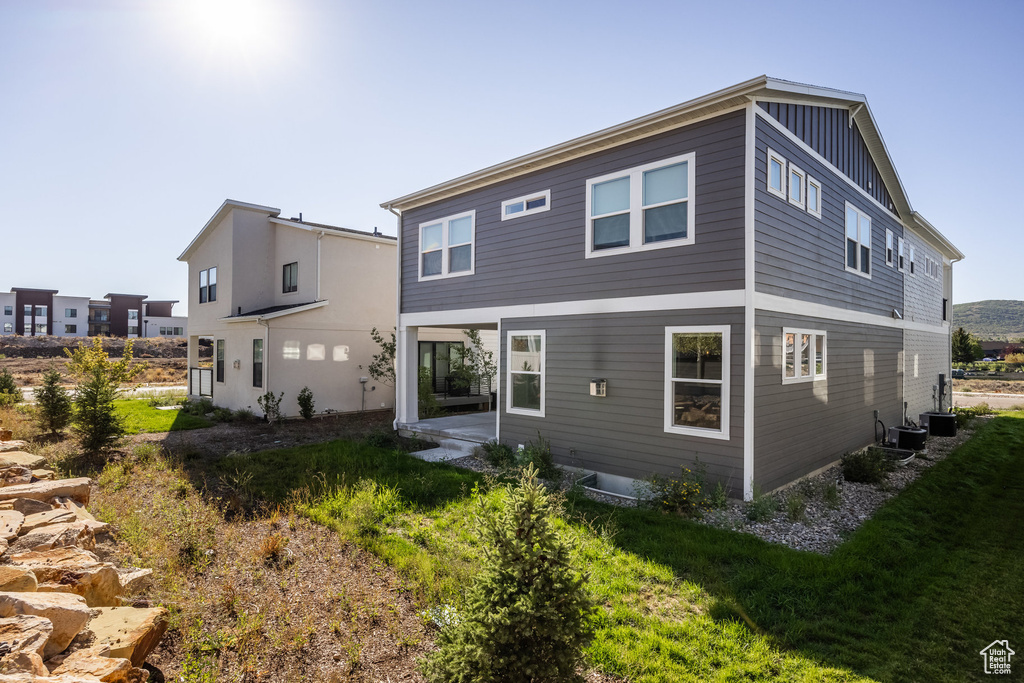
(996, 320)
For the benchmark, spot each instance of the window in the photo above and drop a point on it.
(8, 310)
(525, 205)
(900, 251)
(220, 360)
(290, 278)
(133, 330)
(133, 314)
(804, 358)
(446, 246)
(208, 285)
(911, 260)
(40, 328)
(8, 328)
(797, 181)
(697, 381)
(163, 331)
(40, 311)
(888, 247)
(257, 363)
(945, 307)
(526, 366)
(647, 207)
(178, 331)
(70, 329)
(813, 197)
(70, 312)
(858, 241)
(776, 174)
(28, 310)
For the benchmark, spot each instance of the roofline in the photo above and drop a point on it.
(132, 296)
(218, 215)
(940, 240)
(337, 231)
(163, 301)
(275, 314)
(15, 290)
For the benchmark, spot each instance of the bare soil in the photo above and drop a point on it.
(989, 386)
(28, 372)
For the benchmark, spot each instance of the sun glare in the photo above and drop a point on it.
(234, 30)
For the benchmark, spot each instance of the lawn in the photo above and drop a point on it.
(140, 417)
(915, 594)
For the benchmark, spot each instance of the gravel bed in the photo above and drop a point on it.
(821, 528)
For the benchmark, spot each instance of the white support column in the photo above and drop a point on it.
(407, 376)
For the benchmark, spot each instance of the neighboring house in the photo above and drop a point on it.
(739, 278)
(36, 312)
(159, 321)
(287, 304)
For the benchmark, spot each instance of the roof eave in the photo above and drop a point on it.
(276, 314)
(218, 216)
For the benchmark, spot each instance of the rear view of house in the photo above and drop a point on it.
(283, 304)
(739, 278)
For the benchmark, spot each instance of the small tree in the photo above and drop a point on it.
(965, 347)
(98, 382)
(1015, 361)
(306, 403)
(9, 391)
(382, 368)
(270, 405)
(527, 616)
(54, 403)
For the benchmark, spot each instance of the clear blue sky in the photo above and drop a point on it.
(125, 123)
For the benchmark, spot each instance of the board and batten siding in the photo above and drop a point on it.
(541, 257)
(623, 433)
(803, 426)
(799, 256)
(828, 132)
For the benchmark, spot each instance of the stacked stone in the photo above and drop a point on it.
(63, 617)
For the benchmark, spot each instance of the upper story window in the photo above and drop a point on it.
(8, 310)
(888, 247)
(813, 197)
(804, 357)
(526, 367)
(290, 278)
(133, 314)
(447, 246)
(647, 207)
(911, 260)
(28, 310)
(797, 181)
(776, 174)
(526, 205)
(208, 285)
(900, 251)
(40, 311)
(70, 312)
(697, 381)
(858, 241)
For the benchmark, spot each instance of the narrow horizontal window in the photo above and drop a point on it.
(526, 205)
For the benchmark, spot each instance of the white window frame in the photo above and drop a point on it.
(816, 211)
(723, 432)
(783, 176)
(525, 199)
(900, 251)
(911, 255)
(8, 328)
(542, 372)
(860, 242)
(890, 247)
(445, 222)
(636, 207)
(813, 376)
(795, 170)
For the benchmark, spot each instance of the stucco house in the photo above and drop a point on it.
(285, 304)
(739, 278)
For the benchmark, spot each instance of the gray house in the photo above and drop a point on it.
(739, 278)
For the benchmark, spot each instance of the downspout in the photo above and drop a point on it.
(266, 353)
(399, 376)
(949, 333)
(319, 236)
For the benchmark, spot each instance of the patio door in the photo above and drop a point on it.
(439, 358)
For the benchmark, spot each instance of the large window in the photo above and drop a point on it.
(290, 278)
(697, 381)
(208, 285)
(803, 355)
(220, 360)
(526, 205)
(257, 363)
(647, 207)
(525, 377)
(858, 241)
(446, 246)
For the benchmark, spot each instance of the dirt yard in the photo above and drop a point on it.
(28, 372)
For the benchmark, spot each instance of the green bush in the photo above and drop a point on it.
(428, 405)
(683, 494)
(718, 498)
(9, 391)
(964, 415)
(538, 454)
(54, 403)
(796, 505)
(383, 438)
(306, 403)
(199, 407)
(95, 420)
(499, 454)
(762, 507)
(223, 414)
(527, 616)
(270, 405)
(869, 466)
(244, 415)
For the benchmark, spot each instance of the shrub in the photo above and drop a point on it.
(527, 616)
(306, 403)
(428, 405)
(382, 438)
(964, 415)
(683, 494)
(198, 407)
(538, 454)
(830, 496)
(718, 499)
(499, 454)
(270, 405)
(869, 466)
(223, 414)
(762, 507)
(9, 391)
(54, 403)
(796, 504)
(245, 415)
(95, 420)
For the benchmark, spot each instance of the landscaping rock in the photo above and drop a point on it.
(130, 632)
(73, 570)
(23, 662)
(45, 490)
(44, 474)
(134, 581)
(27, 632)
(9, 476)
(17, 580)
(26, 506)
(68, 613)
(11, 522)
(77, 508)
(17, 458)
(51, 516)
(94, 662)
(78, 534)
(13, 446)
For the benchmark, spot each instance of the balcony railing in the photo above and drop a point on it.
(200, 382)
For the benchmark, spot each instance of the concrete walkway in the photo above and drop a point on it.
(456, 436)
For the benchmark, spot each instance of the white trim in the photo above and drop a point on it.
(636, 208)
(732, 298)
(890, 247)
(703, 432)
(910, 258)
(858, 269)
(541, 373)
(445, 223)
(816, 184)
(900, 255)
(795, 170)
(813, 376)
(275, 314)
(771, 303)
(749, 320)
(775, 156)
(524, 200)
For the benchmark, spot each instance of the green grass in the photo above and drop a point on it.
(140, 417)
(915, 594)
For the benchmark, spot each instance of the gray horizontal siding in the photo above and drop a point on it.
(802, 257)
(623, 433)
(828, 132)
(540, 258)
(801, 427)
